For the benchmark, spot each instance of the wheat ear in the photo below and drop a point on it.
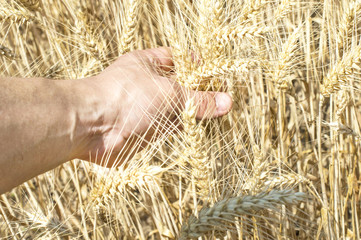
(126, 41)
(228, 34)
(227, 210)
(210, 18)
(337, 76)
(8, 13)
(195, 152)
(210, 75)
(286, 60)
(348, 21)
(108, 188)
(89, 43)
(282, 10)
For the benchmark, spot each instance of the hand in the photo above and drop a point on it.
(133, 104)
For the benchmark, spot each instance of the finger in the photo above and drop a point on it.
(162, 57)
(211, 104)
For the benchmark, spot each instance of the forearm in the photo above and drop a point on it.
(39, 127)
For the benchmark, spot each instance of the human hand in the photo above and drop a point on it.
(132, 103)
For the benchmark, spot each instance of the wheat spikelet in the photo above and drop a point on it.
(224, 67)
(342, 100)
(251, 9)
(126, 41)
(218, 19)
(266, 182)
(226, 210)
(4, 51)
(19, 16)
(203, 38)
(30, 4)
(194, 152)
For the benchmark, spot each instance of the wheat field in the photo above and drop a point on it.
(283, 164)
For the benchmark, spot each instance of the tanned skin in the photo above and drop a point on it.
(45, 123)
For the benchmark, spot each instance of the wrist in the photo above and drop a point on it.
(93, 116)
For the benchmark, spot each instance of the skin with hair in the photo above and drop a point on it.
(114, 114)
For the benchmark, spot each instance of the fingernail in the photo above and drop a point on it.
(223, 103)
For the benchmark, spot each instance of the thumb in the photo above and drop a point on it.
(211, 104)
